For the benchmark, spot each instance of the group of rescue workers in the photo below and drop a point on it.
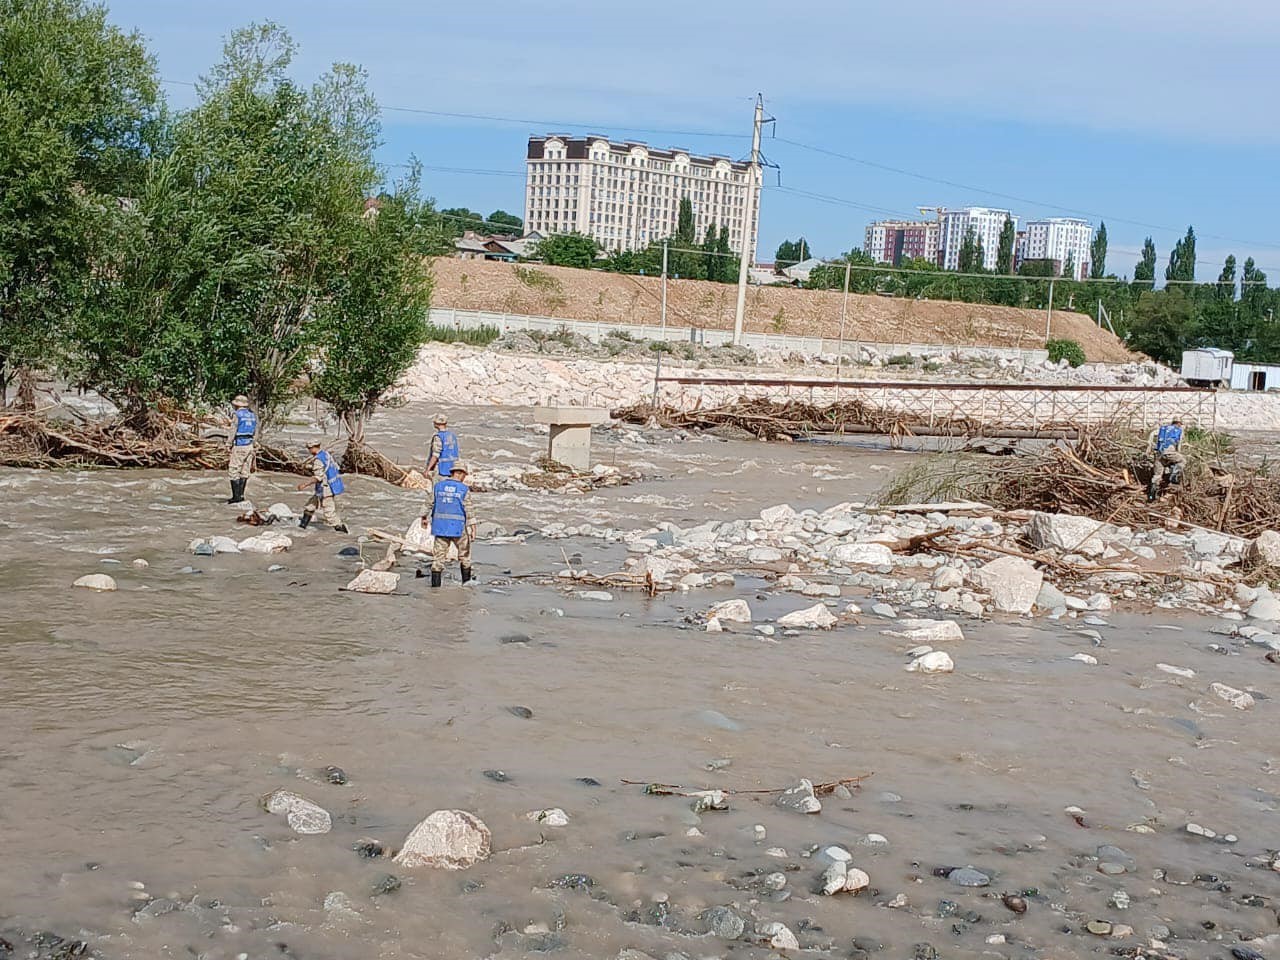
(447, 515)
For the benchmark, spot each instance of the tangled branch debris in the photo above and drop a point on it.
(1103, 475)
(160, 439)
(675, 790)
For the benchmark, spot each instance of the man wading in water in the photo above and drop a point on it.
(450, 523)
(240, 461)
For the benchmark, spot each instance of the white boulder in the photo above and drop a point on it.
(778, 936)
(732, 611)
(780, 514)
(866, 554)
(1070, 534)
(1265, 550)
(96, 581)
(268, 542)
(664, 569)
(223, 545)
(935, 662)
(301, 814)
(449, 839)
(947, 578)
(1012, 583)
(374, 581)
(927, 631)
(1266, 607)
(816, 617)
(554, 817)
(281, 511)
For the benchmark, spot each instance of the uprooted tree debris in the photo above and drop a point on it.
(785, 420)
(1103, 476)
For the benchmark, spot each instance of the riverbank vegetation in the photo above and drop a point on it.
(170, 259)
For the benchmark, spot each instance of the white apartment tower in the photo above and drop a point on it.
(986, 225)
(626, 195)
(1060, 239)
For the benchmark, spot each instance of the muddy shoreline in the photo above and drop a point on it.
(144, 726)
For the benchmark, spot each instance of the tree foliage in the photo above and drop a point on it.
(567, 250)
(78, 119)
(970, 258)
(1145, 270)
(1182, 260)
(1098, 253)
(789, 253)
(1004, 254)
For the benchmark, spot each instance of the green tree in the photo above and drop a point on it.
(1069, 268)
(729, 264)
(710, 262)
(790, 252)
(1004, 254)
(567, 250)
(686, 232)
(1163, 324)
(1226, 288)
(78, 117)
(1144, 272)
(502, 222)
(373, 318)
(862, 277)
(969, 259)
(1098, 253)
(455, 221)
(1182, 260)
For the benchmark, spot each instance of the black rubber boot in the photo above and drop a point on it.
(341, 528)
(466, 573)
(306, 519)
(237, 491)
(437, 576)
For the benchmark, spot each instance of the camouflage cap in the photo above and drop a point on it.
(239, 400)
(314, 442)
(439, 418)
(459, 466)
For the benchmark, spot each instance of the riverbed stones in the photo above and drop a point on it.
(267, 542)
(301, 814)
(732, 611)
(863, 554)
(968, 877)
(1266, 607)
(446, 839)
(947, 578)
(1237, 698)
(778, 936)
(1070, 534)
(800, 798)
(96, 581)
(1265, 550)
(1011, 582)
(374, 581)
(552, 817)
(779, 515)
(1185, 672)
(817, 617)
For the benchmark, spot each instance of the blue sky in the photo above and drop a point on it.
(1149, 115)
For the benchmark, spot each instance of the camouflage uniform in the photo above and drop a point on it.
(440, 549)
(240, 465)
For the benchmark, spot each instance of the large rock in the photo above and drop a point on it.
(301, 814)
(935, 661)
(948, 578)
(224, 545)
(780, 514)
(1012, 583)
(732, 611)
(865, 554)
(800, 798)
(1237, 698)
(268, 542)
(1265, 551)
(663, 569)
(449, 839)
(281, 511)
(1266, 607)
(418, 537)
(816, 617)
(1070, 534)
(96, 581)
(374, 581)
(1050, 597)
(927, 631)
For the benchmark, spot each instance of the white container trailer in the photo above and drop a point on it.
(1207, 367)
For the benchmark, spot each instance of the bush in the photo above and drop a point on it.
(901, 360)
(479, 336)
(1067, 350)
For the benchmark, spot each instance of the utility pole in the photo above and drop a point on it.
(749, 227)
(1048, 320)
(657, 370)
(844, 307)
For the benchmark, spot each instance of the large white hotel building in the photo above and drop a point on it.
(626, 195)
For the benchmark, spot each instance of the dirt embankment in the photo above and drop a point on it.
(596, 296)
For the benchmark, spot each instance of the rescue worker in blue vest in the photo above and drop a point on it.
(451, 523)
(244, 431)
(1165, 445)
(444, 449)
(326, 483)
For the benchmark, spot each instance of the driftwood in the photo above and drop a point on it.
(675, 790)
(363, 459)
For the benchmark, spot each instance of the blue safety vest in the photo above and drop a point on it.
(448, 451)
(448, 509)
(246, 426)
(1168, 437)
(331, 475)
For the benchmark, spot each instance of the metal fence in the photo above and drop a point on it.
(808, 346)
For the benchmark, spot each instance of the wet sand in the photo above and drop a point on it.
(225, 684)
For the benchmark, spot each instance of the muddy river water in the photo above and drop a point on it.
(142, 727)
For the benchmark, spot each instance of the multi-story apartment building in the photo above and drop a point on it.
(892, 241)
(986, 225)
(1062, 240)
(626, 195)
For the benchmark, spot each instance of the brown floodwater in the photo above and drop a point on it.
(141, 728)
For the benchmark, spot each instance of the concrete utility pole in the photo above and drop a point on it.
(749, 228)
(657, 369)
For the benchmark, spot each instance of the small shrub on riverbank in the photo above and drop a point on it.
(1067, 350)
(480, 336)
